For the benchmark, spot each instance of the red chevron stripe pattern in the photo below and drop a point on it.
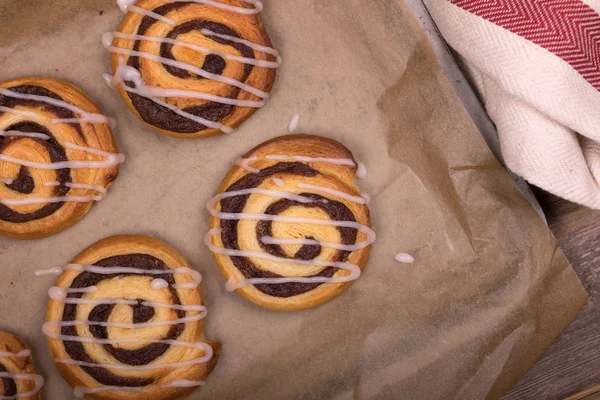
(568, 28)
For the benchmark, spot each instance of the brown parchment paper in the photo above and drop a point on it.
(487, 294)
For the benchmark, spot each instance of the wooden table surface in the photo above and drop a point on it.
(570, 368)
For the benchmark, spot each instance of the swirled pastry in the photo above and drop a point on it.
(192, 68)
(125, 321)
(18, 379)
(57, 156)
(289, 229)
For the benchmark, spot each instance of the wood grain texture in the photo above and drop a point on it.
(571, 365)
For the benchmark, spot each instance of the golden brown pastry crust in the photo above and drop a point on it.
(135, 287)
(248, 27)
(55, 217)
(292, 172)
(17, 365)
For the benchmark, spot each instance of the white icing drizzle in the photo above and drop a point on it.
(6, 181)
(278, 182)
(84, 115)
(343, 195)
(42, 136)
(294, 123)
(97, 188)
(80, 391)
(127, 73)
(124, 73)
(366, 197)
(49, 200)
(345, 247)
(191, 68)
(128, 5)
(38, 380)
(18, 112)
(108, 37)
(183, 383)
(253, 46)
(159, 284)
(196, 277)
(404, 258)
(112, 159)
(245, 162)
(21, 354)
(361, 173)
(73, 199)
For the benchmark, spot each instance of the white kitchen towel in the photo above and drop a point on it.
(536, 66)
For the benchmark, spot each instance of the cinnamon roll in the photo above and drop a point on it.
(125, 321)
(18, 379)
(289, 229)
(193, 68)
(57, 156)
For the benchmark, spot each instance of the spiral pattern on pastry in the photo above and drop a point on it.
(289, 229)
(125, 320)
(57, 156)
(18, 379)
(192, 68)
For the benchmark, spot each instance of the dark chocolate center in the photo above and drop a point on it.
(337, 211)
(164, 118)
(101, 313)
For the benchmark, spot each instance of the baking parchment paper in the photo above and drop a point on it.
(489, 290)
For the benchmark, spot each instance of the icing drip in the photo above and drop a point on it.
(21, 354)
(182, 383)
(38, 380)
(159, 284)
(42, 136)
(6, 181)
(278, 182)
(362, 171)
(85, 116)
(404, 258)
(294, 123)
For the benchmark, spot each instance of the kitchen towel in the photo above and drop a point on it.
(536, 67)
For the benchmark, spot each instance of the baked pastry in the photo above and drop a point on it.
(289, 229)
(18, 379)
(192, 69)
(125, 321)
(57, 156)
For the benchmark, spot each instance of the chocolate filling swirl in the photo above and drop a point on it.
(101, 313)
(9, 384)
(164, 118)
(336, 210)
(24, 183)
